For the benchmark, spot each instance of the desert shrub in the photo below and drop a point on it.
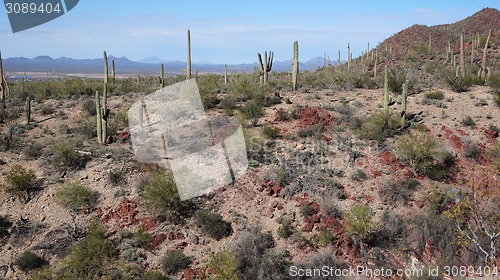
(322, 239)
(5, 224)
(10, 138)
(379, 126)
(85, 125)
(419, 150)
(285, 230)
(359, 175)
(141, 238)
(225, 266)
(47, 110)
(359, 223)
(323, 258)
(245, 88)
(496, 99)
(212, 224)
(89, 107)
(471, 148)
(28, 261)
(494, 82)
(76, 197)
(257, 257)
(175, 261)
(115, 177)
(399, 191)
(117, 121)
(439, 201)
(65, 155)
(270, 132)
(307, 210)
(161, 198)
(253, 110)
(34, 150)
(456, 83)
(312, 130)
(392, 230)
(494, 153)
(21, 182)
(395, 80)
(154, 275)
(468, 121)
(209, 85)
(90, 257)
(435, 95)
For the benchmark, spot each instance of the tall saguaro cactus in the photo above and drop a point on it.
(462, 60)
(386, 92)
(225, 74)
(162, 76)
(113, 71)
(483, 70)
(403, 102)
(295, 70)
(266, 66)
(188, 69)
(101, 107)
(28, 110)
(2, 88)
(348, 57)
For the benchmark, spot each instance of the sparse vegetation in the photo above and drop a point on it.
(28, 261)
(21, 182)
(468, 121)
(175, 261)
(212, 224)
(435, 95)
(76, 197)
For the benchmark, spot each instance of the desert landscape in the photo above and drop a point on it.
(387, 160)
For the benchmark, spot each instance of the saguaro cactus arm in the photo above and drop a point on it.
(295, 71)
(266, 65)
(386, 92)
(403, 102)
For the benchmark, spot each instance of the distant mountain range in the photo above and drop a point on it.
(124, 65)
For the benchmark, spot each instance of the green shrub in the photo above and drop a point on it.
(91, 257)
(225, 266)
(471, 148)
(435, 95)
(161, 198)
(21, 182)
(359, 221)
(496, 99)
(312, 130)
(417, 149)
(89, 107)
(456, 83)
(175, 261)
(322, 239)
(154, 275)
(270, 132)
(359, 175)
(47, 110)
(76, 197)
(28, 261)
(253, 110)
(34, 150)
(379, 126)
(285, 229)
(65, 155)
(141, 238)
(307, 210)
(494, 153)
(5, 224)
(396, 79)
(115, 177)
(399, 191)
(468, 121)
(212, 224)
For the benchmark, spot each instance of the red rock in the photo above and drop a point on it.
(316, 206)
(329, 222)
(274, 204)
(315, 218)
(387, 158)
(282, 193)
(325, 138)
(270, 214)
(170, 236)
(181, 245)
(260, 188)
(491, 133)
(375, 173)
(157, 240)
(408, 173)
(280, 206)
(189, 274)
(308, 227)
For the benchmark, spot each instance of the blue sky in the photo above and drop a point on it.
(226, 31)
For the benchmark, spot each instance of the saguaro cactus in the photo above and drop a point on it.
(403, 102)
(113, 71)
(482, 71)
(2, 88)
(188, 69)
(28, 109)
(348, 57)
(338, 59)
(162, 76)
(462, 60)
(225, 74)
(265, 67)
(101, 107)
(375, 65)
(295, 70)
(386, 92)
